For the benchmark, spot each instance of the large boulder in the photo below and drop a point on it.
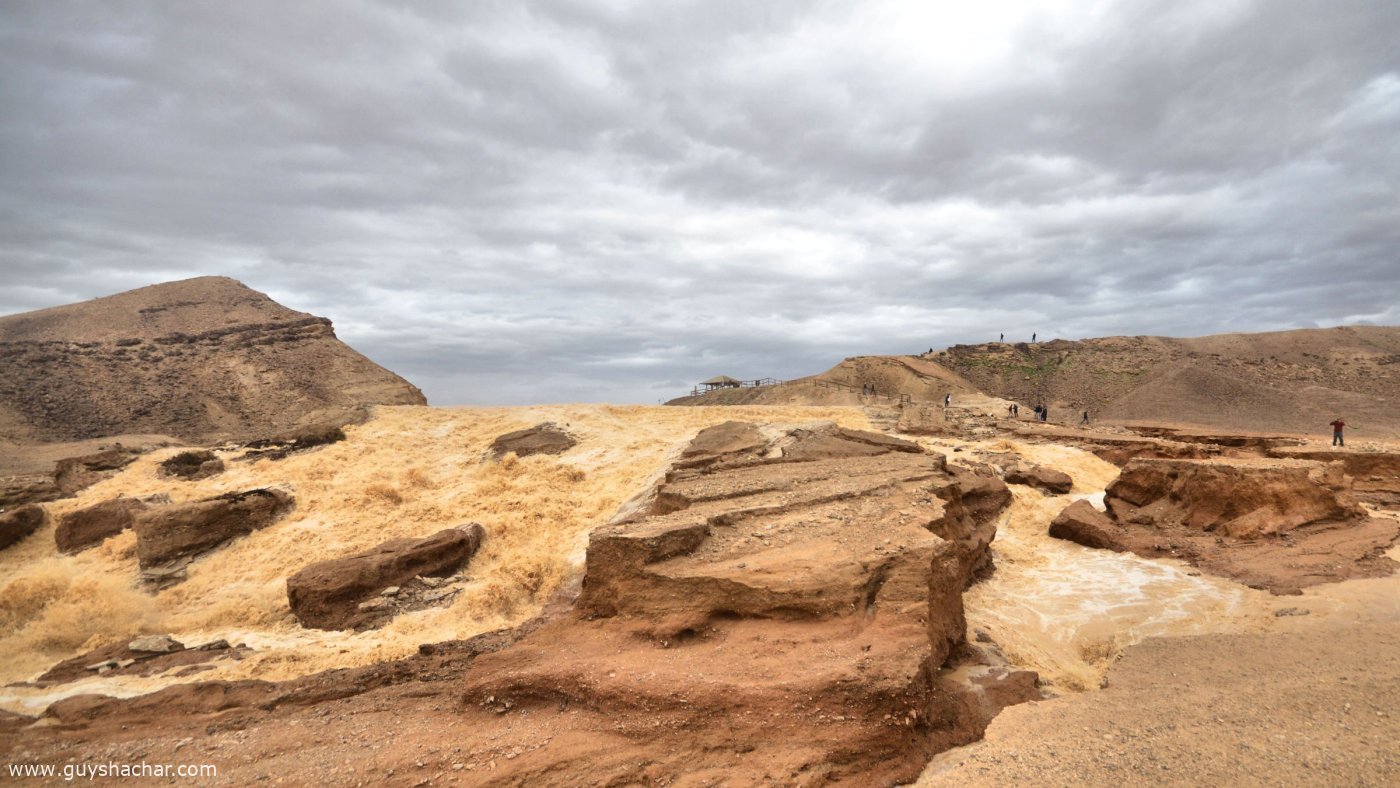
(328, 594)
(1082, 524)
(169, 533)
(546, 438)
(20, 522)
(26, 488)
(1040, 477)
(84, 528)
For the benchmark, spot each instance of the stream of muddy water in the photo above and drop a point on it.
(1067, 611)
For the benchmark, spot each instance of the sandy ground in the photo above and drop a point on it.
(1314, 706)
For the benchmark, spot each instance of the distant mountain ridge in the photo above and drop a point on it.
(1287, 381)
(201, 359)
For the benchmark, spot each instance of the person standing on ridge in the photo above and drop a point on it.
(1001, 338)
(947, 399)
(1032, 336)
(1085, 420)
(1337, 432)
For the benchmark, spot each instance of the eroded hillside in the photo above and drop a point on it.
(1293, 381)
(200, 359)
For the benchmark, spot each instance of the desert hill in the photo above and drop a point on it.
(1289, 381)
(201, 359)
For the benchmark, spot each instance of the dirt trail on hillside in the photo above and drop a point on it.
(408, 472)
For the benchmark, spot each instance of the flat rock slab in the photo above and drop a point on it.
(168, 533)
(20, 522)
(123, 660)
(546, 438)
(331, 594)
(86, 528)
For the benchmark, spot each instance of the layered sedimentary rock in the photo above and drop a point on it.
(776, 613)
(166, 534)
(330, 594)
(20, 522)
(201, 359)
(1279, 525)
(89, 527)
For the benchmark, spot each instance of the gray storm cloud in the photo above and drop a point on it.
(550, 201)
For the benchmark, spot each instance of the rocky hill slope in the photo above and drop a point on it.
(1289, 381)
(1294, 381)
(200, 359)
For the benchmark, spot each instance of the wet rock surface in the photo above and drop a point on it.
(1279, 525)
(168, 534)
(1040, 477)
(89, 527)
(1082, 524)
(282, 448)
(21, 489)
(547, 438)
(362, 590)
(192, 465)
(18, 523)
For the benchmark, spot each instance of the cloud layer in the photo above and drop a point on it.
(611, 200)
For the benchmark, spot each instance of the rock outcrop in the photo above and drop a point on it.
(202, 359)
(332, 594)
(78, 473)
(1040, 477)
(27, 488)
(89, 527)
(777, 613)
(1279, 525)
(168, 534)
(545, 438)
(1082, 524)
(1242, 499)
(16, 524)
(1375, 474)
(192, 465)
(69, 476)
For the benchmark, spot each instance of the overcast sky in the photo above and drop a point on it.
(604, 200)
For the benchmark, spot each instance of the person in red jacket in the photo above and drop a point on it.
(1337, 432)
